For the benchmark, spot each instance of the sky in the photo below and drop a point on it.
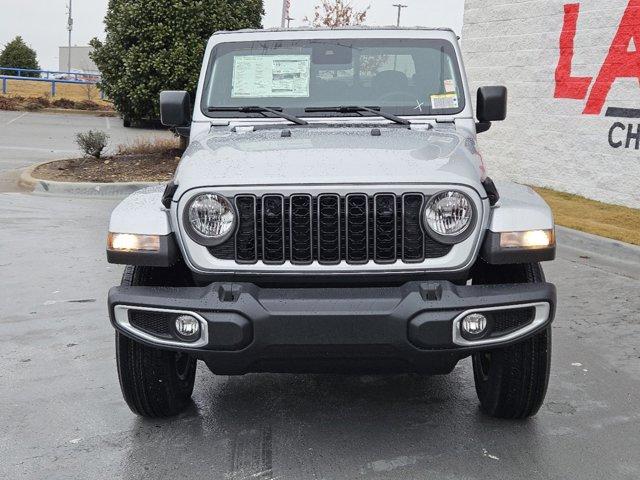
(46, 27)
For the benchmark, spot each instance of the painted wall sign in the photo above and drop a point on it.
(622, 61)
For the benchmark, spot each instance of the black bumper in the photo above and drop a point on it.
(407, 328)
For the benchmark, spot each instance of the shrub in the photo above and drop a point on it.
(32, 105)
(44, 102)
(150, 146)
(9, 103)
(156, 45)
(93, 142)
(87, 105)
(63, 103)
(18, 54)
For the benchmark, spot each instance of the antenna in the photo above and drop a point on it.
(70, 28)
(399, 6)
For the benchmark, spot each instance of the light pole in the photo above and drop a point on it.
(70, 28)
(286, 5)
(399, 6)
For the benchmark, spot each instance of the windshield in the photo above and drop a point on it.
(401, 76)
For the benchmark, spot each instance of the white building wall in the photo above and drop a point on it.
(80, 60)
(549, 141)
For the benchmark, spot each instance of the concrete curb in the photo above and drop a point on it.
(73, 111)
(77, 189)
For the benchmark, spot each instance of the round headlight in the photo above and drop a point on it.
(448, 216)
(211, 217)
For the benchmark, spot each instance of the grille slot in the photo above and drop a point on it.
(357, 231)
(329, 229)
(412, 235)
(357, 228)
(247, 234)
(301, 229)
(385, 225)
(273, 233)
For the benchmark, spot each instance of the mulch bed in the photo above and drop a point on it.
(120, 168)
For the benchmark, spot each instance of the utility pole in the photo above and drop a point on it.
(286, 5)
(399, 6)
(70, 28)
(288, 19)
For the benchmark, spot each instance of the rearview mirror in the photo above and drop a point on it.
(491, 106)
(175, 108)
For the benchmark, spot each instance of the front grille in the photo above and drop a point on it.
(330, 229)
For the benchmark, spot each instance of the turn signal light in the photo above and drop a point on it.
(127, 242)
(528, 239)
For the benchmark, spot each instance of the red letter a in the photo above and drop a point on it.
(620, 62)
(566, 85)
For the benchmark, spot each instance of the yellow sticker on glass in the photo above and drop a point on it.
(444, 101)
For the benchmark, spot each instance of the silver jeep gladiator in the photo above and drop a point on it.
(332, 213)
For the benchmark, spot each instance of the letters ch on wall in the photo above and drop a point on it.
(622, 61)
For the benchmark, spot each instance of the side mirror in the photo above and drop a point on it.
(175, 108)
(491, 106)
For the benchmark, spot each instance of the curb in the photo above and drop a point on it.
(78, 189)
(74, 111)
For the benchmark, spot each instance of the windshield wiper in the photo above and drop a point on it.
(255, 109)
(357, 109)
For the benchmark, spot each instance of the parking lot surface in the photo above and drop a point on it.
(63, 415)
(27, 137)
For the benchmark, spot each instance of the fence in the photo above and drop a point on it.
(48, 76)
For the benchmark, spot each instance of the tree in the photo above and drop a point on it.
(337, 13)
(155, 45)
(18, 54)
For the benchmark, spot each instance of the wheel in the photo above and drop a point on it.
(154, 382)
(511, 382)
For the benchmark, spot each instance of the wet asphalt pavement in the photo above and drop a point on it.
(33, 137)
(62, 415)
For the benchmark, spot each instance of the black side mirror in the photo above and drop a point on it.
(175, 108)
(491, 107)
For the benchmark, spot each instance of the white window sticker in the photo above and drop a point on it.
(450, 86)
(445, 101)
(263, 76)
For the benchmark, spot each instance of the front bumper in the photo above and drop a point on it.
(414, 327)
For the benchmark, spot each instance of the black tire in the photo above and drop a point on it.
(155, 383)
(512, 382)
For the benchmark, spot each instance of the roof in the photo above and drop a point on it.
(352, 27)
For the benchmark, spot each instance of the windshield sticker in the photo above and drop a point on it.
(263, 76)
(450, 86)
(445, 101)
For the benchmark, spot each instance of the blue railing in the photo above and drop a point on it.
(47, 76)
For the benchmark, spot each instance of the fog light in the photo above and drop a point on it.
(474, 324)
(188, 327)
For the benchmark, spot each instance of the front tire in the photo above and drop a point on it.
(512, 382)
(155, 383)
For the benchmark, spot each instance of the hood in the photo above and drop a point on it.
(347, 155)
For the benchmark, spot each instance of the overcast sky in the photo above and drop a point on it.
(42, 23)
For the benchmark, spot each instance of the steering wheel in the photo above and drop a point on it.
(399, 95)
